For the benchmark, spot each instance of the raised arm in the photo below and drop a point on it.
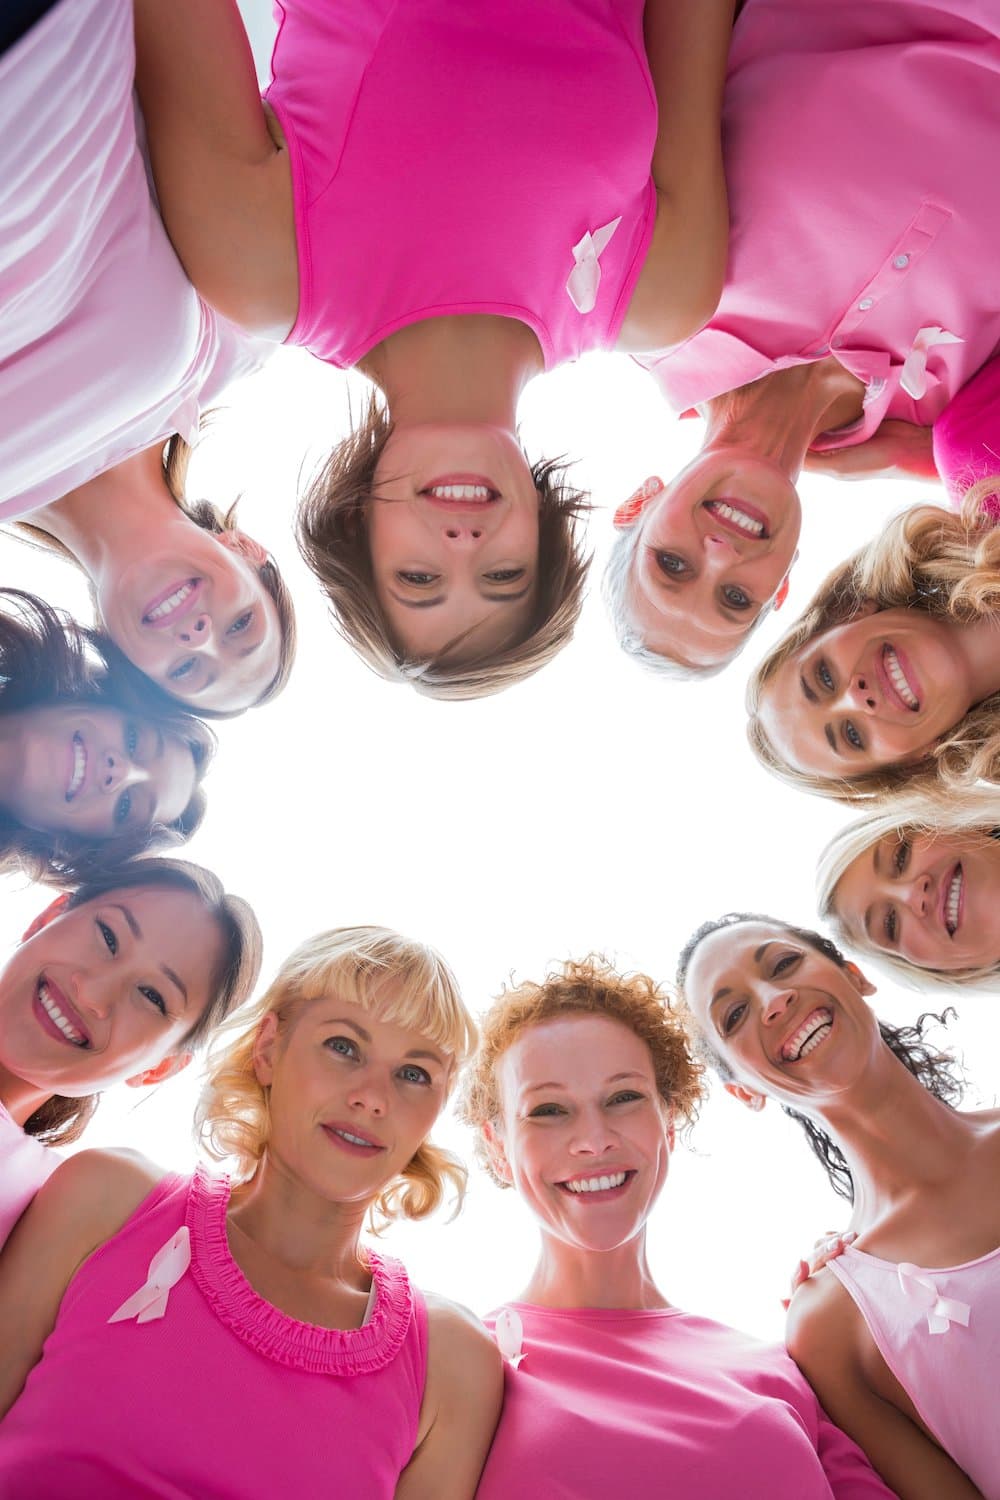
(222, 180)
(687, 43)
(461, 1405)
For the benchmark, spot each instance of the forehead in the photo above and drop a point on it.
(378, 1021)
(726, 951)
(575, 1051)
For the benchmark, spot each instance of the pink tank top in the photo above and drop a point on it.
(456, 157)
(24, 1165)
(217, 1393)
(939, 1333)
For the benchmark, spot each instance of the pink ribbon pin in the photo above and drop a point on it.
(510, 1335)
(913, 378)
(165, 1271)
(585, 277)
(941, 1311)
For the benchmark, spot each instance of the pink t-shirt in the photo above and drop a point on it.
(622, 1403)
(222, 1396)
(24, 1165)
(939, 1333)
(967, 438)
(105, 348)
(859, 227)
(453, 158)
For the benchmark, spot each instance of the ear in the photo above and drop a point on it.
(244, 546)
(631, 509)
(497, 1154)
(52, 913)
(174, 1062)
(862, 985)
(749, 1097)
(264, 1044)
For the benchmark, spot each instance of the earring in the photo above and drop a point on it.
(757, 1103)
(782, 593)
(630, 510)
(54, 909)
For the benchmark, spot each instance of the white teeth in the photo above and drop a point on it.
(169, 605)
(356, 1140)
(814, 1030)
(596, 1184)
(460, 492)
(52, 1010)
(738, 517)
(898, 678)
(952, 903)
(79, 768)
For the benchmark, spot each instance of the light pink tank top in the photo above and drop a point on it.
(217, 1393)
(24, 1165)
(939, 1333)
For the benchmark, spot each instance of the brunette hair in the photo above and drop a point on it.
(376, 969)
(971, 814)
(589, 986)
(928, 560)
(47, 660)
(62, 1119)
(333, 539)
(938, 1072)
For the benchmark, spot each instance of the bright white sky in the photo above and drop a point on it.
(594, 807)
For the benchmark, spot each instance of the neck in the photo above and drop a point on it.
(110, 516)
(18, 1098)
(780, 415)
(461, 369)
(299, 1229)
(568, 1276)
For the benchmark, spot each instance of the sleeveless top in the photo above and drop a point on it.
(607, 1402)
(202, 1388)
(939, 1333)
(24, 1165)
(453, 157)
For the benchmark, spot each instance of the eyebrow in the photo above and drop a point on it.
(249, 650)
(136, 932)
(351, 1026)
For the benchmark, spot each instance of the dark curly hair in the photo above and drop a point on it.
(938, 1072)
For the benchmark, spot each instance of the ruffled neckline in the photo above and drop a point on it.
(304, 1346)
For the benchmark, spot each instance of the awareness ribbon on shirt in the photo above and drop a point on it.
(510, 1335)
(165, 1271)
(585, 277)
(941, 1311)
(913, 378)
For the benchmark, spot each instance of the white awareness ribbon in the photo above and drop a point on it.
(510, 1335)
(941, 1311)
(914, 374)
(165, 1271)
(585, 277)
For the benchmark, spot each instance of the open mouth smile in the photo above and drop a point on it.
(598, 1188)
(353, 1142)
(79, 767)
(952, 901)
(460, 491)
(737, 516)
(812, 1033)
(57, 1016)
(172, 604)
(899, 682)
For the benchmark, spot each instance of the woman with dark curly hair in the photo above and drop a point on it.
(96, 766)
(898, 1334)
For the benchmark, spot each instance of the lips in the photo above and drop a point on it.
(352, 1140)
(740, 518)
(953, 899)
(899, 680)
(597, 1187)
(808, 1035)
(172, 604)
(57, 1016)
(78, 766)
(460, 492)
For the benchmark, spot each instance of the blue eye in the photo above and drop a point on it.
(825, 676)
(122, 808)
(410, 1073)
(243, 623)
(852, 736)
(671, 564)
(736, 598)
(342, 1046)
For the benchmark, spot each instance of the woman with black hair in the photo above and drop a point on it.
(898, 1335)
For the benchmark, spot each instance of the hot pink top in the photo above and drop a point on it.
(939, 1333)
(24, 1165)
(451, 158)
(105, 348)
(858, 228)
(201, 1388)
(608, 1403)
(967, 438)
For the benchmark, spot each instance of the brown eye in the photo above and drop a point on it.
(891, 925)
(901, 858)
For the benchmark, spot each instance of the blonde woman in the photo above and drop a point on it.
(891, 678)
(280, 1355)
(918, 888)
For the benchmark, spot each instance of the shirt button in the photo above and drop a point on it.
(901, 262)
(866, 303)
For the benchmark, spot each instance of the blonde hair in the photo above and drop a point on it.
(972, 815)
(928, 560)
(589, 986)
(333, 539)
(372, 967)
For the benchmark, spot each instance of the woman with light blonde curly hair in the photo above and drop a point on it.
(576, 1093)
(917, 887)
(891, 678)
(323, 1096)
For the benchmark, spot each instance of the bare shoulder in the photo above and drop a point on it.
(92, 1193)
(823, 1325)
(456, 1333)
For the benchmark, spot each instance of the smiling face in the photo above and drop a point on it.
(453, 537)
(786, 1020)
(194, 615)
(93, 772)
(352, 1095)
(107, 989)
(584, 1134)
(712, 552)
(929, 899)
(881, 690)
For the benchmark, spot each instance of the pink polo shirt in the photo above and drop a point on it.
(105, 348)
(865, 215)
(967, 439)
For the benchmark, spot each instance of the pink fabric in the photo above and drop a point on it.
(222, 1395)
(950, 1374)
(24, 1165)
(856, 223)
(967, 438)
(104, 346)
(448, 158)
(607, 1403)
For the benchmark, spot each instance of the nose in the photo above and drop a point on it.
(592, 1135)
(861, 693)
(92, 996)
(463, 535)
(915, 894)
(720, 548)
(118, 771)
(776, 1007)
(369, 1093)
(195, 632)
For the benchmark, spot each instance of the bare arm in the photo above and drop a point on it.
(687, 42)
(898, 450)
(223, 183)
(826, 1337)
(460, 1408)
(83, 1204)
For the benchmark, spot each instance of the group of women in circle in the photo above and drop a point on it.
(660, 179)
